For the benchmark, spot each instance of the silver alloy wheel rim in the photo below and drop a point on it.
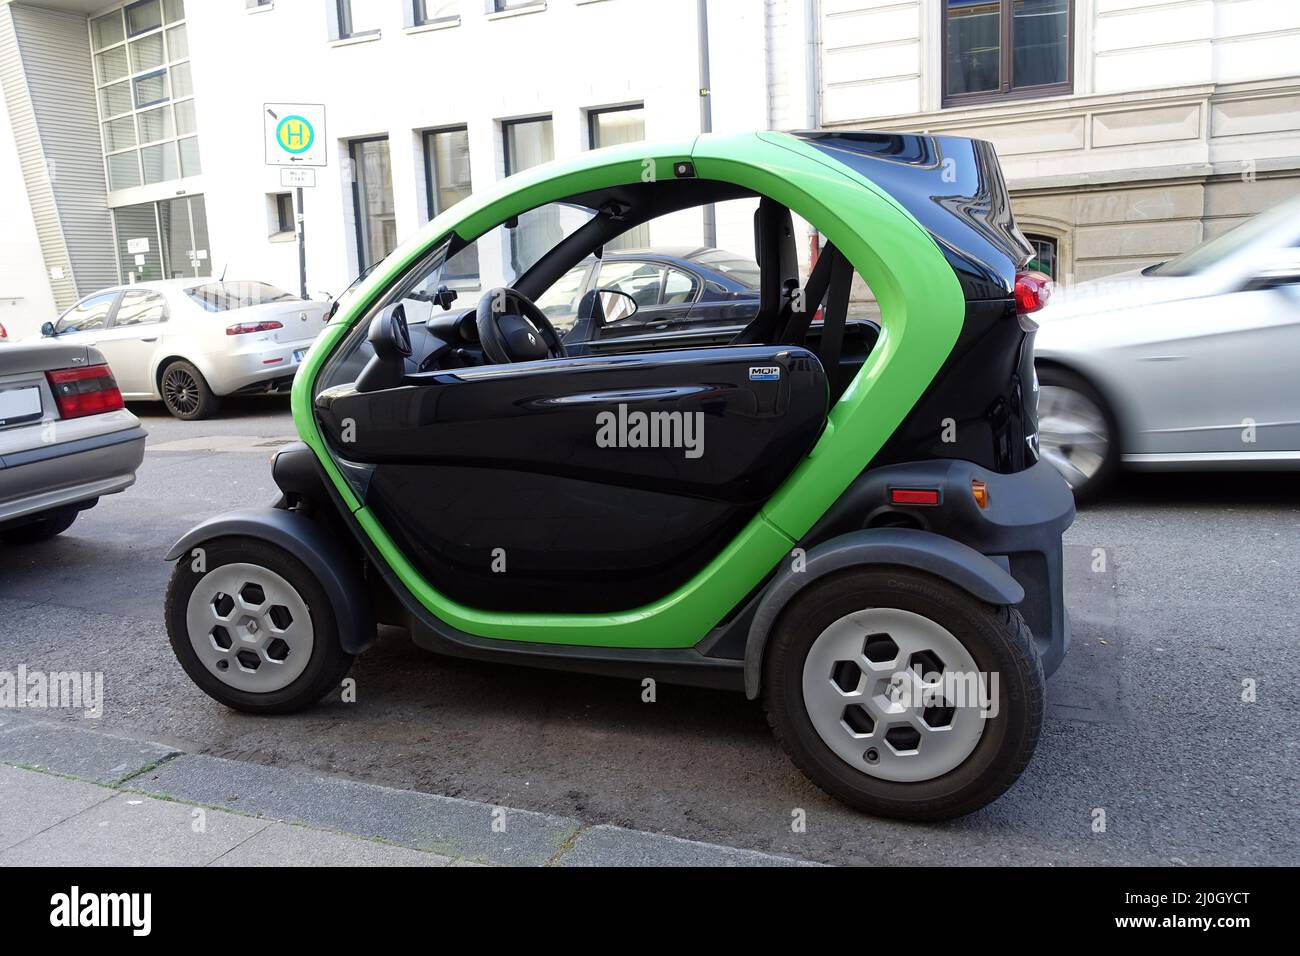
(1072, 433)
(180, 391)
(904, 737)
(250, 628)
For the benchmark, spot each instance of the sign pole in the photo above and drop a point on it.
(302, 244)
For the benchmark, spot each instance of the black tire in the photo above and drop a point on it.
(328, 664)
(1084, 491)
(996, 638)
(47, 525)
(186, 392)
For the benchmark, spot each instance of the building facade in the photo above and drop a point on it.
(1129, 130)
(132, 133)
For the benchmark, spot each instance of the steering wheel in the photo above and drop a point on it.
(512, 329)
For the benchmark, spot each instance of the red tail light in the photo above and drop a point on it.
(913, 496)
(3, 333)
(243, 328)
(1033, 291)
(84, 391)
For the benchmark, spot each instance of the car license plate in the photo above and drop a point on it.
(18, 405)
(299, 355)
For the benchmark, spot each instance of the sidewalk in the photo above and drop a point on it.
(71, 796)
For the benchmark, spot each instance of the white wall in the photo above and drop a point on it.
(25, 297)
(563, 59)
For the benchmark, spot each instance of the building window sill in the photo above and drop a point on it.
(446, 24)
(262, 8)
(282, 237)
(356, 38)
(579, 3)
(518, 11)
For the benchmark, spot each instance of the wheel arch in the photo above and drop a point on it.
(975, 573)
(308, 542)
(1123, 426)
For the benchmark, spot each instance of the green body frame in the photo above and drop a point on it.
(921, 313)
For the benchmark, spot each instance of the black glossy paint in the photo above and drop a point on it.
(506, 457)
(954, 187)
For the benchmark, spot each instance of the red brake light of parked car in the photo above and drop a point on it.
(3, 334)
(1033, 291)
(913, 496)
(243, 328)
(84, 391)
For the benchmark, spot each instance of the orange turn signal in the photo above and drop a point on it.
(980, 492)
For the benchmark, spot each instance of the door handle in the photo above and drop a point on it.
(153, 338)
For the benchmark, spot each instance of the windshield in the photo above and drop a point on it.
(1209, 254)
(225, 296)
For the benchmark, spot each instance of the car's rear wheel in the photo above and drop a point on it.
(46, 525)
(186, 392)
(253, 627)
(901, 695)
(1077, 432)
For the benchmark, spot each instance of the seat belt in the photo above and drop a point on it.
(835, 318)
(796, 330)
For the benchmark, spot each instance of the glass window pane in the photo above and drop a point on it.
(140, 308)
(431, 11)
(178, 44)
(136, 223)
(190, 156)
(159, 163)
(111, 64)
(1040, 37)
(156, 125)
(611, 127)
(678, 288)
(119, 134)
(375, 211)
(974, 37)
(182, 85)
(115, 99)
(143, 16)
(449, 156)
(528, 143)
(174, 10)
(185, 120)
(107, 30)
(123, 170)
(147, 53)
(150, 89)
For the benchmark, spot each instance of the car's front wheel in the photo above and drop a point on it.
(253, 627)
(902, 695)
(1077, 432)
(186, 392)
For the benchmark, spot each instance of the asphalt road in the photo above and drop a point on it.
(1146, 719)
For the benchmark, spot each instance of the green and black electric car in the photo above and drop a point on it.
(841, 515)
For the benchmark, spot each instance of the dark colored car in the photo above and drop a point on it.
(675, 289)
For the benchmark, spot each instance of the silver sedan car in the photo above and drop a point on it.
(1189, 364)
(190, 341)
(65, 439)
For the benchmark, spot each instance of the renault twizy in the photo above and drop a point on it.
(841, 515)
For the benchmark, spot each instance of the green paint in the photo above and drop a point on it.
(921, 306)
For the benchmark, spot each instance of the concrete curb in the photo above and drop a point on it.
(449, 827)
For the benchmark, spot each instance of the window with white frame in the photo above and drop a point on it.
(145, 93)
(435, 11)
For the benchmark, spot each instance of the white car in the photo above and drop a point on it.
(190, 341)
(1189, 364)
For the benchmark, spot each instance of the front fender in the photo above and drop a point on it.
(314, 546)
(977, 574)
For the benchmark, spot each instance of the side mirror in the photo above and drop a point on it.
(391, 339)
(617, 305)
(47, 330)
(1279, 268)
(445, 297)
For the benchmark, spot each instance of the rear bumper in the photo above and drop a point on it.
(69, 473)
(1021, 529)
(260, 365)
